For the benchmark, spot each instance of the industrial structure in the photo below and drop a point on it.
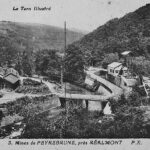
(9, 78)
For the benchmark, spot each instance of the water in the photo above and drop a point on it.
(74, 89)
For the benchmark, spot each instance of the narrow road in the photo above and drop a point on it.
(12, 96)
(52, 87)
(115, 89)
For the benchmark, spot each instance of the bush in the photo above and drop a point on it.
(31, 82)
(141, 65)
(43, 89)
(109, 58)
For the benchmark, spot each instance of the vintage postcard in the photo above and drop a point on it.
(75, 74)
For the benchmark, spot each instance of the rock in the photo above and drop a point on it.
(107, 109)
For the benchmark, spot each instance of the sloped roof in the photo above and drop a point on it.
(11, 78)
(115, 64)
(126, 52)
(12, 71)
(120, 67)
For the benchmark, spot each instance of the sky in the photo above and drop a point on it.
(85, 15)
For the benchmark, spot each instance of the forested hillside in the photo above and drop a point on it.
(37, 36)
(131, 32)
(20, 44)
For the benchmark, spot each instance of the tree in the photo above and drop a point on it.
(74, 63)
(141, 66)
(47, 62)
(109, 58)
(19, 66)
(8, 51)
(28, 63)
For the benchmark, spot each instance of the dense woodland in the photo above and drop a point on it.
(129, 33)
(37, 36)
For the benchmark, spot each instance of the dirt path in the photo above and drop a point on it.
(12, 96)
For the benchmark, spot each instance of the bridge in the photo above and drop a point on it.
(85, 97)
(91, 102)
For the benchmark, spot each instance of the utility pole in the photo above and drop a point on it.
(62, 80)
(65, 41)
(63, 58)
(61, 77)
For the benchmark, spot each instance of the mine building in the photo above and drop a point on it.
(115, 69)
(11, 78)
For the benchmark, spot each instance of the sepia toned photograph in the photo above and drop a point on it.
(74, 69)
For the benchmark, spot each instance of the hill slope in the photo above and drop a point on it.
(131, 32)
(36, 36)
